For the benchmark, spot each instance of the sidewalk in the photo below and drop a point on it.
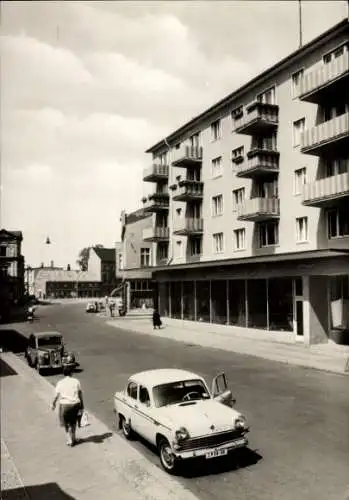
(328, 357)
(37, 464)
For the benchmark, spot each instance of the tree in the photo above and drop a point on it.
(84, 256)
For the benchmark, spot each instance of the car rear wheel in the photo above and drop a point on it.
(167, 458)
(126, 428)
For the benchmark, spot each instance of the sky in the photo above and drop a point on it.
(87, 87)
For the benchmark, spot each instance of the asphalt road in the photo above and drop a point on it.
(299, 439)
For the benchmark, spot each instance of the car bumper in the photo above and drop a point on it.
(212, 452)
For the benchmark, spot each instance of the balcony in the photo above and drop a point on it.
(326, 192)
(260, 119)
(329, 136)
(259, 209)
(189, 226)
(188, 156)
(316, 86)
(261, 162)
(157, 202)
(155, 173)
(156, 233)
(189, 191)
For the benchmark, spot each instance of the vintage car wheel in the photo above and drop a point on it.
(126, 428)
(167, 458)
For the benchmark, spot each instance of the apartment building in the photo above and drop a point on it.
(250, 224)
(11, 268)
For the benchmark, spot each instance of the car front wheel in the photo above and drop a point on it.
(167, 458)
(126, 428)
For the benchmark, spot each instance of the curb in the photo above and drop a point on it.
(146, 480)
(315, 364)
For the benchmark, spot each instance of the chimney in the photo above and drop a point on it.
(52, 264)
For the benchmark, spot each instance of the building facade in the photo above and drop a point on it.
(137, 258)
(250, 210)
(11, 267)
(102, 263)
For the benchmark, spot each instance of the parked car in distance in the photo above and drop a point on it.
(46, 350)
(175, 411)
(91, 307)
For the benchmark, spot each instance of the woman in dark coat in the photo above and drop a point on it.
(156, 319)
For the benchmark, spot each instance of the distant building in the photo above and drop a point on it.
(11, 267)
(136, 257)
(102, 262)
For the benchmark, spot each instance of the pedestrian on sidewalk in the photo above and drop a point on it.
(69, 394)
(156, 319)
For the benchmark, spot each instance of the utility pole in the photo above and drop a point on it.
(300, 22)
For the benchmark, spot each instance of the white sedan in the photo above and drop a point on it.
(175, 411)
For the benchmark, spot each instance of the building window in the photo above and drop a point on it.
(338, 223)
(216, 130)
(268, 234)
(218, 243)
(239, 239)
(296, 78)
(237, 155)
(298, 129)
(300, 178)
(267, 189)
(2, 251)
(265, 143)
(195, 140)
(267, 97)
(336, 167)
(217, 205)
(238, 197)
(217, 168)
(145, 257)
(236, 115)
(195, 246)
(302, 229)
(334, 54)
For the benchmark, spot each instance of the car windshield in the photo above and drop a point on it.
(54, 340)
(174, 392)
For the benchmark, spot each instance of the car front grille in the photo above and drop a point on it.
(55, 358)
(210, 440)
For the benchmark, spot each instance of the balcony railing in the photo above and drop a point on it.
(259, 209)
(260, 119)
(189, 226)
(155, 173)
(330, 134)
(315, 84)
(187, 156)
(189, 191)
(326, 192)
(260, 162)
(155, 203)
(156, 233)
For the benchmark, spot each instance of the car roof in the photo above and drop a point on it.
(160, 376)
(46, 334)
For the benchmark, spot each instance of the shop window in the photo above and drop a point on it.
(203, 300)
(237, 302)
(219, 301)
(339, 301)
(257, 303)
(176, 299)
(280, 303)
(188, 300)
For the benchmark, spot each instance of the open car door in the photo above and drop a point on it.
(220, 391)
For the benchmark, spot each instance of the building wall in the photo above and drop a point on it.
(133, 242)
(95, 265)
(291, 158)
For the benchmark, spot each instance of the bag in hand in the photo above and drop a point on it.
(83, 420)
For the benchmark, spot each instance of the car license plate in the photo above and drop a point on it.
(216, 453)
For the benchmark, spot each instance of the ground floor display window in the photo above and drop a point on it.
(164, 299)
(203, 300)
(237, 302)
(339, 301)
(280, 304)
(176, 299)
(189, 300)
(219, 301)
(257, 304)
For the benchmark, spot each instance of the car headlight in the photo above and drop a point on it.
(240, 422)
(181, 434)
(44, 355)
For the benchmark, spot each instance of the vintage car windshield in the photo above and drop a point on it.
(174, 392)
(52, 341)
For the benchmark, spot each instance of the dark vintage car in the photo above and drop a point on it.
(46, 351)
